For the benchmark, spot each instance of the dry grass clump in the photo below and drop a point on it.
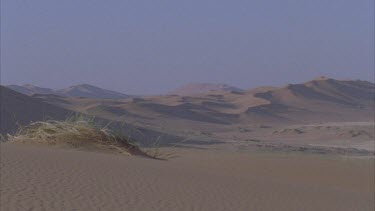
(155, 152)
(75, 133)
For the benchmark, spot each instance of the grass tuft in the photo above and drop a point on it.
(76, 133)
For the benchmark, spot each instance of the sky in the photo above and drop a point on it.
(154, 46)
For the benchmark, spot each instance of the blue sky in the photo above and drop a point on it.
(150, 47)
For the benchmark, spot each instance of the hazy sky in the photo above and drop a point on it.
(148, 47)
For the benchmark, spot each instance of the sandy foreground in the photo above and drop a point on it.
(40, 178)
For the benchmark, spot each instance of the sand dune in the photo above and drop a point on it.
(51, 179)
(21, 109)
(319, 100)
(311, 102)
(203, 88)
(219, 167)
(217, 115)
(89, 91)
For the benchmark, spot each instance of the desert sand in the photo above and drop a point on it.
(45, 178)
(306, 146)
(322, 113)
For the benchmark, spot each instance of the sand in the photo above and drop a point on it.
(40, 178)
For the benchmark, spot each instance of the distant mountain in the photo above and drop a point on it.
(329, 91)
(319, 100)
(322, 99)
(29, 89)
(89, 91)
(83, 90)
(19, 109)
(201, 88)
(212, 109)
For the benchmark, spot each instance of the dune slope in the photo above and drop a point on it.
(50, 179)
(17, 108)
